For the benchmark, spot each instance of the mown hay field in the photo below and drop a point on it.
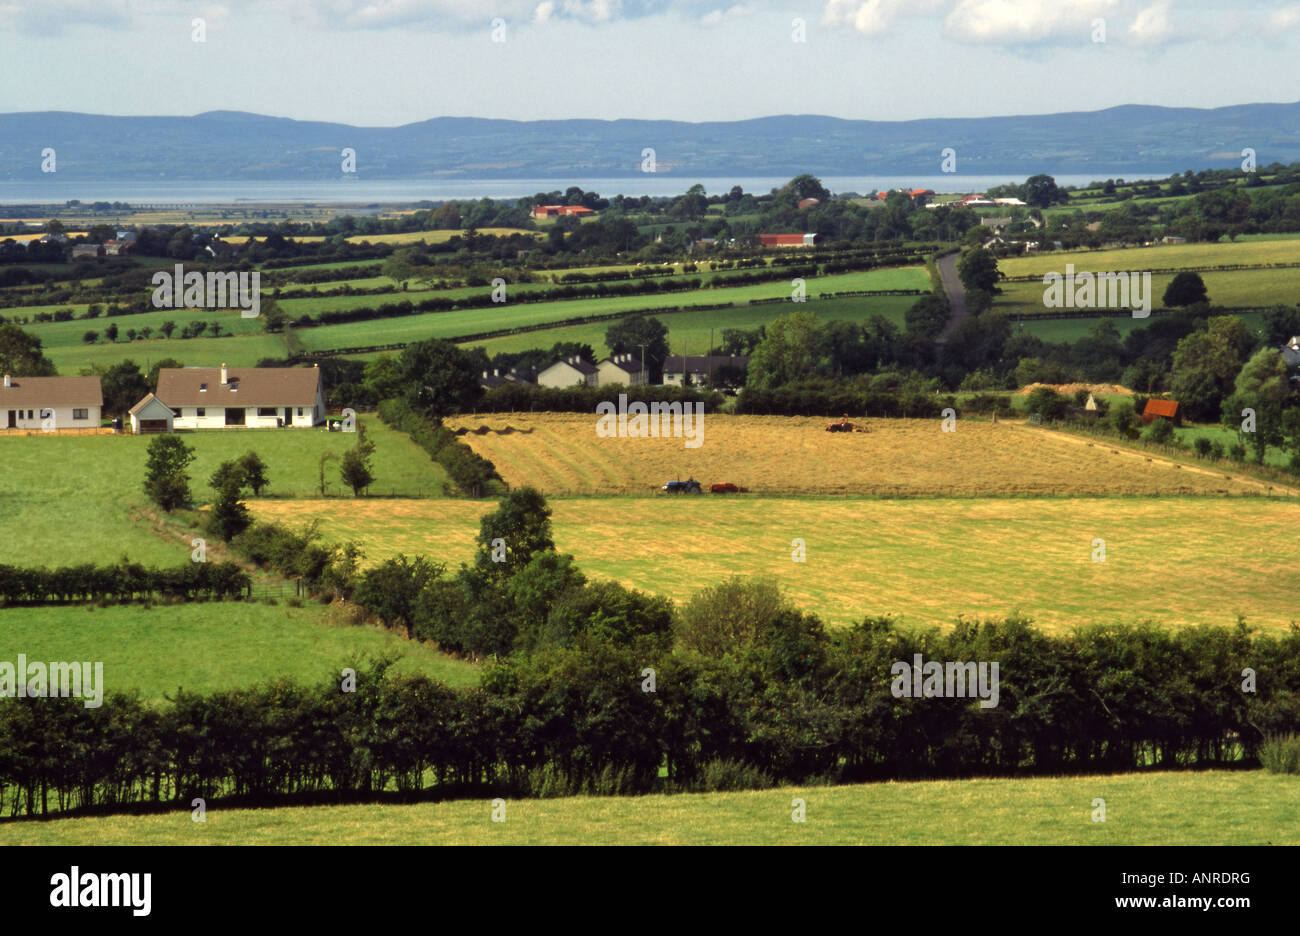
(560, 453)
(1193, 808)
(1177, 562)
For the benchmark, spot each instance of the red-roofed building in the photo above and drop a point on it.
(809, 203)
(1156, 408)
(561, 211)
(787, 240)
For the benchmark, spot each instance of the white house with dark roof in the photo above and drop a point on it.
(705, 368)
(620, 369)
(50, 403)
(570, 372)
(242, 397)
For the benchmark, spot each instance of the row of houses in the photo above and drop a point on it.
(186, 398)
(623, 368)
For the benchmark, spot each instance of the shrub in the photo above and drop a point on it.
(1237, 452)
(1161, 431)
(1281, 754)
(1202, 445)
(722, 776)
(1216, 451)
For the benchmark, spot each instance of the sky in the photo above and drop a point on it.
(391, 62)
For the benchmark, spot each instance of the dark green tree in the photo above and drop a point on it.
(254, 472)
(21, 355)
(978, 269)
(166, 481)
(1187, 288)
(354, 466)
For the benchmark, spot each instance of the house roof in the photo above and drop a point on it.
(247, 386)
(1165, 408)
(625, 362)
(578, 364)
(148, 401)
(51, 391)
(700, 363)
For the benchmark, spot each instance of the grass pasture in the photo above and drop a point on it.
(71, 496)
(561, 454)
(1177, 561)
(212, 646)
(1202, 808)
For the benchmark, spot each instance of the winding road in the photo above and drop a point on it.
(956, 294)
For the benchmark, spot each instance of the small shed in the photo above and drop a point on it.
(1091, 405)
(151, 415)
(1167, 409)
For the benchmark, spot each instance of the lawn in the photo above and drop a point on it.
(67, 499)
(1203, 808)
(1178, 562)
(209, 646)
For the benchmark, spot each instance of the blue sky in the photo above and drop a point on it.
(389, 62)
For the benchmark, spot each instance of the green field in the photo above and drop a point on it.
(693, 330)
(1175, 561)
(204, 647)
(241, 351)
(67, 499)
(1202, 808)
(469, 321)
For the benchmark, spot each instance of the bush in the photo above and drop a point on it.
(1047, 404)
(1281, 754)
(723, 776)
(1161, 431)
(1237, 452)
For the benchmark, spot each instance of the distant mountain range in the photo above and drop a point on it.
(234, 146)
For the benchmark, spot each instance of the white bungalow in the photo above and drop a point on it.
(50, 403)
(242, 397)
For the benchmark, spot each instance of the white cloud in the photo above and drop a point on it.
(1152, 24)
(874, 17)
(1012, 22)
(1285, 18)
(544, 11)
(719, 16)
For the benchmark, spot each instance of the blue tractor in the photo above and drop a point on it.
(689, 486)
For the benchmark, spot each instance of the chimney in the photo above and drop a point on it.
(8, 382)
(223, 373)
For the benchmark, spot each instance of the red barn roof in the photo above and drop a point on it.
(1166, 408)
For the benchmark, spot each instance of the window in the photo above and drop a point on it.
(234, 416)
(29, 414)
(300, 411)
(80, 414)
(203, 388)
(267, 411)
(200, 411)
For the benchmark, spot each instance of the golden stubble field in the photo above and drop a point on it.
(1175, 561)
(560, 453)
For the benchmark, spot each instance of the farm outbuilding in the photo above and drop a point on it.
(1168, 409)
(151, 415)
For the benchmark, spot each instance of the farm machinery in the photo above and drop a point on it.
(844, 426)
